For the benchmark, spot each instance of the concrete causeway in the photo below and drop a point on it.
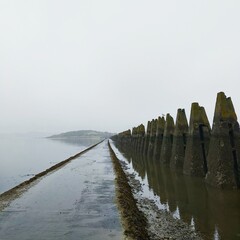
(75, 202)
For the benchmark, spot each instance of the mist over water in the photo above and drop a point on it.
(22, 156)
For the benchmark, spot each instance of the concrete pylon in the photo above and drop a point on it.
(166, 148)
(195, 162)
(159, 138)
(137, 138)
(124, 138)
(147, 138)
(152, 137)
(179, 140)
(141, 134)
(134, 138)
(223, 157)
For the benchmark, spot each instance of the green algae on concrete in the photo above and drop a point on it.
(224, 109)
(134, 137)
(137, 134)
(124, 138)
(167, 142)
(179, 140)
(159, 138)
(143, 137)
(224, 149)
(141, 134)
(152, 137)
(195, 163)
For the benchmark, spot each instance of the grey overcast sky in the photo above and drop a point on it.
(113, 64)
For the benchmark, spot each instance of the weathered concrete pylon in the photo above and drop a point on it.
(224, 149)
(152, 137)
(195, 162)
(134, 138)
(124, 138)
(166, 148)
(141, 134)
(179, 140)
(159, 138)
(147, 138)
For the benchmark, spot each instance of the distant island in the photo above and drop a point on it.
(82, 134)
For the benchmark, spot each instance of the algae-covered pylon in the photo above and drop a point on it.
(224, 149)
(195, 162)
(159, 138)
(166, 148)
(152, 137)
(179, 140)
(141, 134)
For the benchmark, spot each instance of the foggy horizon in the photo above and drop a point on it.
(112, 65)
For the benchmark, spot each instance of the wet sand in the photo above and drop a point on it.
(134, 221)
(75, 202)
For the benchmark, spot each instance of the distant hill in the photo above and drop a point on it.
(82, 134)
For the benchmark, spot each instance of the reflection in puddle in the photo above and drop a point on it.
(176, 214)
(214, 213)
(216, 234)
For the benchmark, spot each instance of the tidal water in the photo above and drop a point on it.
(214, 213)
(23, 156)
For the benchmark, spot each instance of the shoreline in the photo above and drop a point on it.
(160, 224)
(133, 220)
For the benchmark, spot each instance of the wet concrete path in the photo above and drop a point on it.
(75, 202)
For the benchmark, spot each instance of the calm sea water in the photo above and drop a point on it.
(22, 156)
